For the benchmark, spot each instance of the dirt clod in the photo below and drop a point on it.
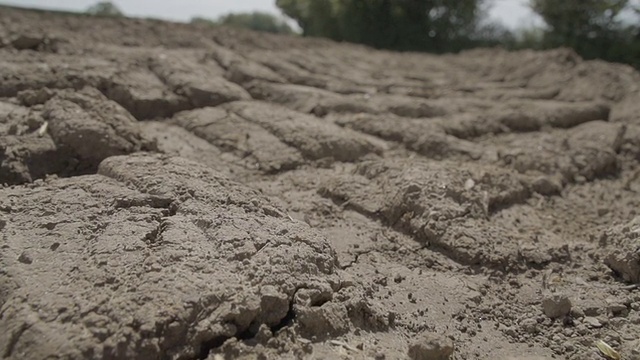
(27, 42)
(624, 256)
(592, 322)
(431, 346)
(25, 258)
(556, 305)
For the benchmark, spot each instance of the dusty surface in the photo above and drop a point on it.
(175, 192)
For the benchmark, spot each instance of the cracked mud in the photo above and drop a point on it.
(171, 191)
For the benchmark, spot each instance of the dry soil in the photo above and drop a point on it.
(182, 192)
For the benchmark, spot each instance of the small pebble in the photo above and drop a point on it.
(529, 325)
(592, 322)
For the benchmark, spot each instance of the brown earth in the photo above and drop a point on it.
(182, 192)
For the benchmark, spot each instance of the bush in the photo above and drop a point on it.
(257, 21)
(106, 9)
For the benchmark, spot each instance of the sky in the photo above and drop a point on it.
(513, 13)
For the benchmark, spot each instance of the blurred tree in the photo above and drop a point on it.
(491, 34)
(428, 25)
(105, 8)
(578, 23)
(529, 38)
(593, 28)
(258, 21)
(203, 21)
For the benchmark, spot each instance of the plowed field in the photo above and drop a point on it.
(182, 192)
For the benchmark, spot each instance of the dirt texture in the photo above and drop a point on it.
(174, 191)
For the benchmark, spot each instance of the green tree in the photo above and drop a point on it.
(257, 21)
(573, 23)
(429, 25)
(105, 8)
(593, 28)
(529, 38)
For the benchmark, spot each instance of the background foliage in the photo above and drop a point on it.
(603, 29)
(258, 21)
(105, 8)
(593, 28)
(427, 25)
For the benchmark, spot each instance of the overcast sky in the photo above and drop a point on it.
(512, 13)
